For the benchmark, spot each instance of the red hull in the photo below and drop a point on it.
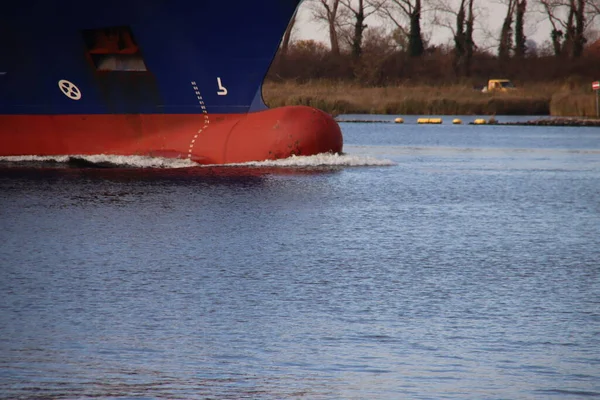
(207, 139)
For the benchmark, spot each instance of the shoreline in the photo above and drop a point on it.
(545, 121)
(555, 121)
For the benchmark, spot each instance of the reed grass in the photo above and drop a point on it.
(348, 98)
(568, 104)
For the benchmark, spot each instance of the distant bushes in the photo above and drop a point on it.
(386, 80)
(348, 98)
(383, 65)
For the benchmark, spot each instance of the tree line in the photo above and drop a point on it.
(370, 54)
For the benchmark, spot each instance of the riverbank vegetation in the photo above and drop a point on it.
(350, 98)
(340, 97)
(371, 69)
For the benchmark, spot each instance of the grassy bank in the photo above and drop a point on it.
(573, 104)
(345, 98)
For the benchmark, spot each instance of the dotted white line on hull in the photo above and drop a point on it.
(206, 120)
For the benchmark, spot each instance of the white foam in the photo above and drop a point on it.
(320, 160)
(17, 159)
(125, 161)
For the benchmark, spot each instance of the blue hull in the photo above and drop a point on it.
(222, 48)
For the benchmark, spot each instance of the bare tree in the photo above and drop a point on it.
(569, 20)
(399, 10)
(461, 22)
(327, 11)
(463, 38)
(470, 44)
(569, 43)
(593, 7)
(578, 37)
(505, 43)
(551, 9)
(360, 10)
(285, 44)
(520, 39)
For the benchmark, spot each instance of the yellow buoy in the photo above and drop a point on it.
(429, 121)
(456, 121)
(479, 121)
(399, 120)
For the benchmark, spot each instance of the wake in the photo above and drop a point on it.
(115, 161)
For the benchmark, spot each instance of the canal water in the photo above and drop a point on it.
(427, 262)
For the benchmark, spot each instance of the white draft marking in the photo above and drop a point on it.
(206, 120)
(222, 89)
(69, 89)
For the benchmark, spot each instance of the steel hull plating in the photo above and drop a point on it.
(222, 138)
(176, 79)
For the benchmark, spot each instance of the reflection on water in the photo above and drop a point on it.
(429, 263)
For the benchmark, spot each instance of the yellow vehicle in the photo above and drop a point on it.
(498, 85)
